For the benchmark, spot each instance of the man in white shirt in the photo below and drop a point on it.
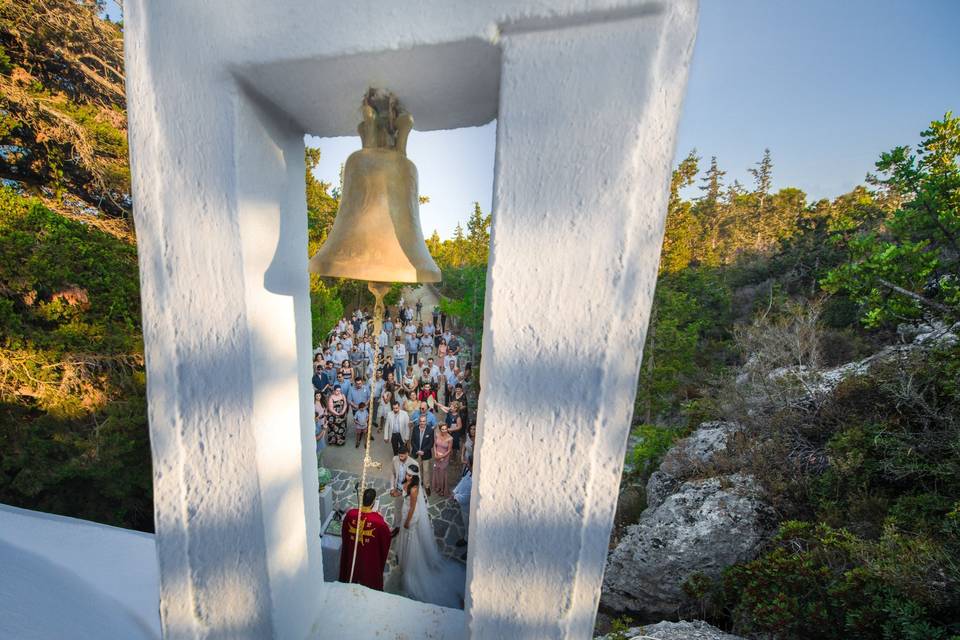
(434, 371)
(450, 362)
(383, 341)
(400, 356)
(339, 355)
(451, 379)
(396, 428)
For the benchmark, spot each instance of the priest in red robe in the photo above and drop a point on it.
(372, 548)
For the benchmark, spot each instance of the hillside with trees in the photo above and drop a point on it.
(73, 428)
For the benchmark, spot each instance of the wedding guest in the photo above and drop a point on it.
(383, 340)
(409, 403)
(320, 432)
(360, 417)
(337, 408)
(358, 394)
(467, 449)
(425, 381)
(461, 493)
(399, 356)
(375, 399)
(319, 406)
(340, 354)
(423, 410)
(412, 344)
(442, 450)
(454, 421)
(453, 345)
(347, 372)
(386, 401)
(421, 448)
(396, 429)
(409, 383)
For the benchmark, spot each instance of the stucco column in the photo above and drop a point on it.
(585, 140)
(221, 230)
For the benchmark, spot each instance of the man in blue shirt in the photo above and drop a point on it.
(358, 394)
(423, 411)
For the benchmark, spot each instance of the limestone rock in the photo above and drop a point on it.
(683, 630)
(688, 456)
(704, 527)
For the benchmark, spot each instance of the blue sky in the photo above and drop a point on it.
(825, 84)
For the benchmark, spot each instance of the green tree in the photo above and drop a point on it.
(710, 213)
(478, 237)
(762, 181)
(907, 267)
(435, 247)
(457, 248)
(682, 229)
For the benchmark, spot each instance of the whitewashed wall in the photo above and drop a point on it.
(587, 96)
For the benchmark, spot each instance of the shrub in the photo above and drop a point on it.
(654, 441)
(817, 582)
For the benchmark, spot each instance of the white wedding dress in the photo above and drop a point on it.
(427, 576)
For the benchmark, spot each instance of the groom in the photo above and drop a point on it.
(372, 548)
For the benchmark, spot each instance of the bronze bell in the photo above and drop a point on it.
(376, 235)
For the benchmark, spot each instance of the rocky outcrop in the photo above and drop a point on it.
(703, 527)
(689, 456)
(812, 385)
(683, 630)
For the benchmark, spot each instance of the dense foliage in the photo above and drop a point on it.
(463, 260)
(62, 104)
(866, 480)
(73, 427)
(908, 267)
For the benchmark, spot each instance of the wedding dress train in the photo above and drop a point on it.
(427, 575)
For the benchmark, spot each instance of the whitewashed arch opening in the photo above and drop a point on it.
(587, 95)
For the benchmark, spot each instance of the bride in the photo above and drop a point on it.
(426, 575)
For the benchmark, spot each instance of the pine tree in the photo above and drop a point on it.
(435, 247)
(478, 237)
(710, 212)
(680, 234)
(762, 179)
(457, 256)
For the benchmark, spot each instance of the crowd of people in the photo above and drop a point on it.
(422, 372)
(421, 408)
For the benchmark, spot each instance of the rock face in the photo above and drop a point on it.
(703, 527)
(690, 455)
(683, 630)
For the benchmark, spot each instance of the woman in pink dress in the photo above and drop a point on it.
(442, 450)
